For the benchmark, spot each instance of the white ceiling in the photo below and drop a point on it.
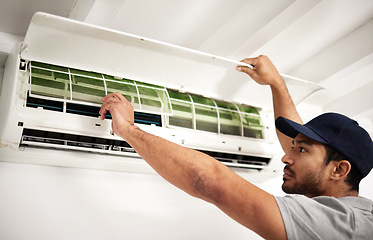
(324, 41)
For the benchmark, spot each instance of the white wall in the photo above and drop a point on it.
(1, 76)
(44, 202)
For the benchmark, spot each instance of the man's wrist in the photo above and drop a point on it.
(278, 84)
(126, 130)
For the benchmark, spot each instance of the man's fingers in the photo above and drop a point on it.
(115, 97)
(247, 70)
(251, 61)
(255, 61)
(103, 110)
(109, 100)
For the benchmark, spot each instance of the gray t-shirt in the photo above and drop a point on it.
(326, 217)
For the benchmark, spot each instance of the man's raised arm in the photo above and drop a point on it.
(265, 73)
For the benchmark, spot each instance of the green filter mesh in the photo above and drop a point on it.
(252, 126)
(203, 100)
(248, 109)
(182, 114)
(154, 98)
(206, 118)
(238, 120)
(250, 120)
(126, 87)
(230, 122)
(226, 105)
(87, 86)
(48, 82)
(178, 96)
(253, 133)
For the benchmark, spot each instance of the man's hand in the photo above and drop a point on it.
(263, 72)
(120, 109)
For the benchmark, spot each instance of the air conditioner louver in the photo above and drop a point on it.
(64, 141)
(47, 139)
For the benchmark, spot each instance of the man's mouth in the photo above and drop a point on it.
(288, 173)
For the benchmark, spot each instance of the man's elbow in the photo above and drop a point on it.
(207, 186)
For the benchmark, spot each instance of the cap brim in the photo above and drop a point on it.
(292, 129)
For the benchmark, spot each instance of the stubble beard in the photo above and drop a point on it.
(310, 186)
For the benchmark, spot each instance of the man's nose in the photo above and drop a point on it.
(287, 158)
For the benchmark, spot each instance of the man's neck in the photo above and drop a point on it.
(337, 194)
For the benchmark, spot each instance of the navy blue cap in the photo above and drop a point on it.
(338, 131)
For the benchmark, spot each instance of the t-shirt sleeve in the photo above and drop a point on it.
(315, 218)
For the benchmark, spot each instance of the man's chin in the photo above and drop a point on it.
(286, 187)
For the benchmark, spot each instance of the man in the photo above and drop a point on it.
(327, 205)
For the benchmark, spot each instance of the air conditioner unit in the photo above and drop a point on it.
(54, 80)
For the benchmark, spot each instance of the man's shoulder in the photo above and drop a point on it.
(303, 216)
(348, 201)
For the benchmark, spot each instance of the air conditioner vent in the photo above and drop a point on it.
(237, 160)
(48, 139)
(31, 137)
(45, 104)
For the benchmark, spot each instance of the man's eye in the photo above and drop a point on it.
(302, 150)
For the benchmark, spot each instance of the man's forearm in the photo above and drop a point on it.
(284, 106)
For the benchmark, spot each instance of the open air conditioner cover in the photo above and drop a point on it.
(56, 40)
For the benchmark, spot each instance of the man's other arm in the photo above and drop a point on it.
(265, 73)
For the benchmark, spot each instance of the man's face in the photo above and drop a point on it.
(305, 170)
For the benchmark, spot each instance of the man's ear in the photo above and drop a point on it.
(340, 169)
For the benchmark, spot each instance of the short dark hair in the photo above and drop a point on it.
(354, 176)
